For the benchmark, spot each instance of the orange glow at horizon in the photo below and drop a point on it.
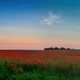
(12, 42)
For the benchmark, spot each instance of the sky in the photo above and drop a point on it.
(35, 24)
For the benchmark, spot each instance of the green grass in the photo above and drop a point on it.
(19, 71)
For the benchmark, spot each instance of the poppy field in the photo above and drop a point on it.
(39, 65)
(41, 56)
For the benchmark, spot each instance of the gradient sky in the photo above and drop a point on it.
(35, 24)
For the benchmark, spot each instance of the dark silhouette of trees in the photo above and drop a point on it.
(68, 49)
(56, 48)
(51, 48)
(62, 48)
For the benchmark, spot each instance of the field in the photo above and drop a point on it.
(42, 57)
(39, 65)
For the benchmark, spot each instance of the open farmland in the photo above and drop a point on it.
(39, 65)
(41, 56)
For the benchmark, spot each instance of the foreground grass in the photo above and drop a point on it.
(19, 71)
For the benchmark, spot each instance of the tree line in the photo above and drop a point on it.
(57, 48)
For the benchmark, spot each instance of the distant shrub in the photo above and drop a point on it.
(62, 48)
(51, 48)
(68, 49)
(56, 48)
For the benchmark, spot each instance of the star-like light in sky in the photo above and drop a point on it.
(51, 20)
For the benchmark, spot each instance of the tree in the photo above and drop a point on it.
(56, 48)
(62, 48)
(68, 49)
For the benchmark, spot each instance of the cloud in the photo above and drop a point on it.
(51, 19)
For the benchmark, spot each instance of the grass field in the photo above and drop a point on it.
(19, 71)
(39, 65)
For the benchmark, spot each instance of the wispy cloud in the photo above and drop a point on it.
(51, 20)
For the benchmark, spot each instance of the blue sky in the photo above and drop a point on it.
(56, 21)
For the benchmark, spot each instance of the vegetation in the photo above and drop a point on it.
(56, 48)
(19, 71)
